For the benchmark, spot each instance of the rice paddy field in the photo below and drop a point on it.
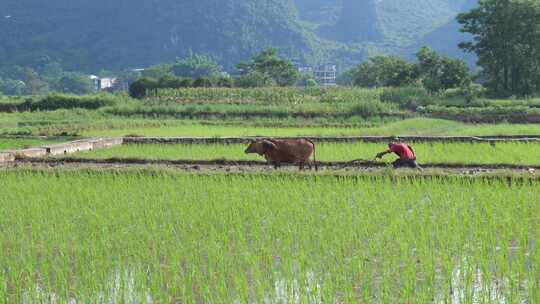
(154, 237)
(144, 234)
(435, 152)
(416, 126)
(96, 123)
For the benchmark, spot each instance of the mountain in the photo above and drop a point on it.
(135, 33)
(357, 22)
(445, 39)
(119, 34)
(319, 11)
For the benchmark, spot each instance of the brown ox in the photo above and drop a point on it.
(277, 151)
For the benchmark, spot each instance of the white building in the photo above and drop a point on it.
(326, 75)
(102, 83)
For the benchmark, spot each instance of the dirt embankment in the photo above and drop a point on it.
(333, 139)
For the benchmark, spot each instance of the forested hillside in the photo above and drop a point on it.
(114, 35)
(357, 22)
(135, 33)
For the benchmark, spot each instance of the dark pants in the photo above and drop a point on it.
(401, 163)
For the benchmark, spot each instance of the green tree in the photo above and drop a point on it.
(347, 78)
(307, 80)
(170, 81)
(12, 87)
(140, 87)
(75, 83)
(385, 71)
(439, 73)
(506, 39)
(224, 82)
(202, 82)
(157, 71)
(196, 66)
(268, 63)
(33, 83)
(51, 73)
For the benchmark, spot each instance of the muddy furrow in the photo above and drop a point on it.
(249, 163)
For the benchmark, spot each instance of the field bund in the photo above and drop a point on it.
(332, 139)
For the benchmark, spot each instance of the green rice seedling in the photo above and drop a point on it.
(131, 237)
(260, 127)
(436, 152)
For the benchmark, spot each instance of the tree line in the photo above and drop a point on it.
(265, 69)
(435, 72)
(47, 77)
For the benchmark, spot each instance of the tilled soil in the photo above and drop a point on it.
(356, 167)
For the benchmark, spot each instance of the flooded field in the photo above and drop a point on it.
(161, 237)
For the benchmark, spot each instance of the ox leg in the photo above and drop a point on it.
(277, 165)
(301, 166)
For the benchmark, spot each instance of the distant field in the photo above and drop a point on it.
(275, 112)
(453, 153)
(89, 236)
(417, 126)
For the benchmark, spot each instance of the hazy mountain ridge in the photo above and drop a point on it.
(134, 33)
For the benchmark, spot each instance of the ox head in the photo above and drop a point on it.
(260, 147)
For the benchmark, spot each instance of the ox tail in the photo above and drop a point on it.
(314, 159)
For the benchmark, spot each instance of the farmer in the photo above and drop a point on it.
(405, 153)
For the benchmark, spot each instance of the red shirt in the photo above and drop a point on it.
(404, 151)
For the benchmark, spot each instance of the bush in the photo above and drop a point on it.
(279, 71)
(62, 101)
(202, 82)
(169, 81)
(471, 92)
(196, 66)
(224, 82)
(385, 71)
(140, 87)
(440, 73)
(75, 83)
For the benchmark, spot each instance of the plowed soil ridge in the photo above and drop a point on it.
(249, 163)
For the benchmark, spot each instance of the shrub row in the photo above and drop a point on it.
(58, 101)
